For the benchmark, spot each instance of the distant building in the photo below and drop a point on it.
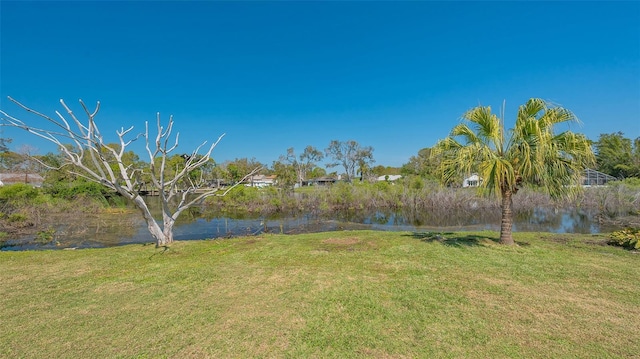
(261, 181)
(389, 178)
(472, 181)
(589, 178)
(320, 181)
(595, 178)
(33, 179)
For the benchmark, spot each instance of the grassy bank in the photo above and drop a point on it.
(339, 294)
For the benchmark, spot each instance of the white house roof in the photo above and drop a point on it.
(389, 177)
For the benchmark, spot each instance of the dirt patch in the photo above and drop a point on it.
(597, 242)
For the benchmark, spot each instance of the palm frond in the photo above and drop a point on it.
(464, 131)
(486, 125)
(533, 153)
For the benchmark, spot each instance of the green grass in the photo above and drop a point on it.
(360, 294)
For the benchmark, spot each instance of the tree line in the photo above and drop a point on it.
(529, 153)
(355, 162)
(616, 155)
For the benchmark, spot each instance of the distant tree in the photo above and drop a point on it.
(92, 158)
(4, 144)
(21, 161)
(55, 174)
(286, 176)
(317, 172)
(617, 155)
(364, 169)
(10, 161)
(307, 162)
(530, 152)
(302, 164)
(423, 164)
(351, 156)
(381, 170)
(237, 170)
(28, 164)
(287, 166)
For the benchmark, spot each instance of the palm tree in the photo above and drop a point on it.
(529, 153)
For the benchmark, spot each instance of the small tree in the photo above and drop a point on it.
(96, 160)
(285, 174)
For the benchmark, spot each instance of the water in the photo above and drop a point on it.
(113, 230)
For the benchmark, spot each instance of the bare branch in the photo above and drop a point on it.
(213, 192)
(97, 161)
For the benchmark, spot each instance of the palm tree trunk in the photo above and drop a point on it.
(507, 218)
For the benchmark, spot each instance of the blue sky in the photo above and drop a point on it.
(396, 76)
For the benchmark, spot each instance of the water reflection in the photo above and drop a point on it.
(556, 220)
(118, 229)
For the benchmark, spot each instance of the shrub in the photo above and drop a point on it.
(18, 192)
(243, 194)
(17, 217)
(341, 195)
(46, 236)
(628, 238)
(79, 189)
(632, 182)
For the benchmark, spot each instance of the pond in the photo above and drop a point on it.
(127, 228)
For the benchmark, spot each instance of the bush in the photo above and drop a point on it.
(341, 195)
(18, 192)
(632, 182)
(79, 189)
(46, 236)
(628, 238)
(243, 194)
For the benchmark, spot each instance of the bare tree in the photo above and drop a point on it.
(27, 165)
(302, 164)
(351, 156)
(88, 158)
(308, 159)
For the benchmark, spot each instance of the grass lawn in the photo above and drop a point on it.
(360, 294)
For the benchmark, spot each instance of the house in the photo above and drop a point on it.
(472, 181)
(589, 178)
(261, 181)
(320, 181)
(389, 178)
(595, 178)
(33, 179)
